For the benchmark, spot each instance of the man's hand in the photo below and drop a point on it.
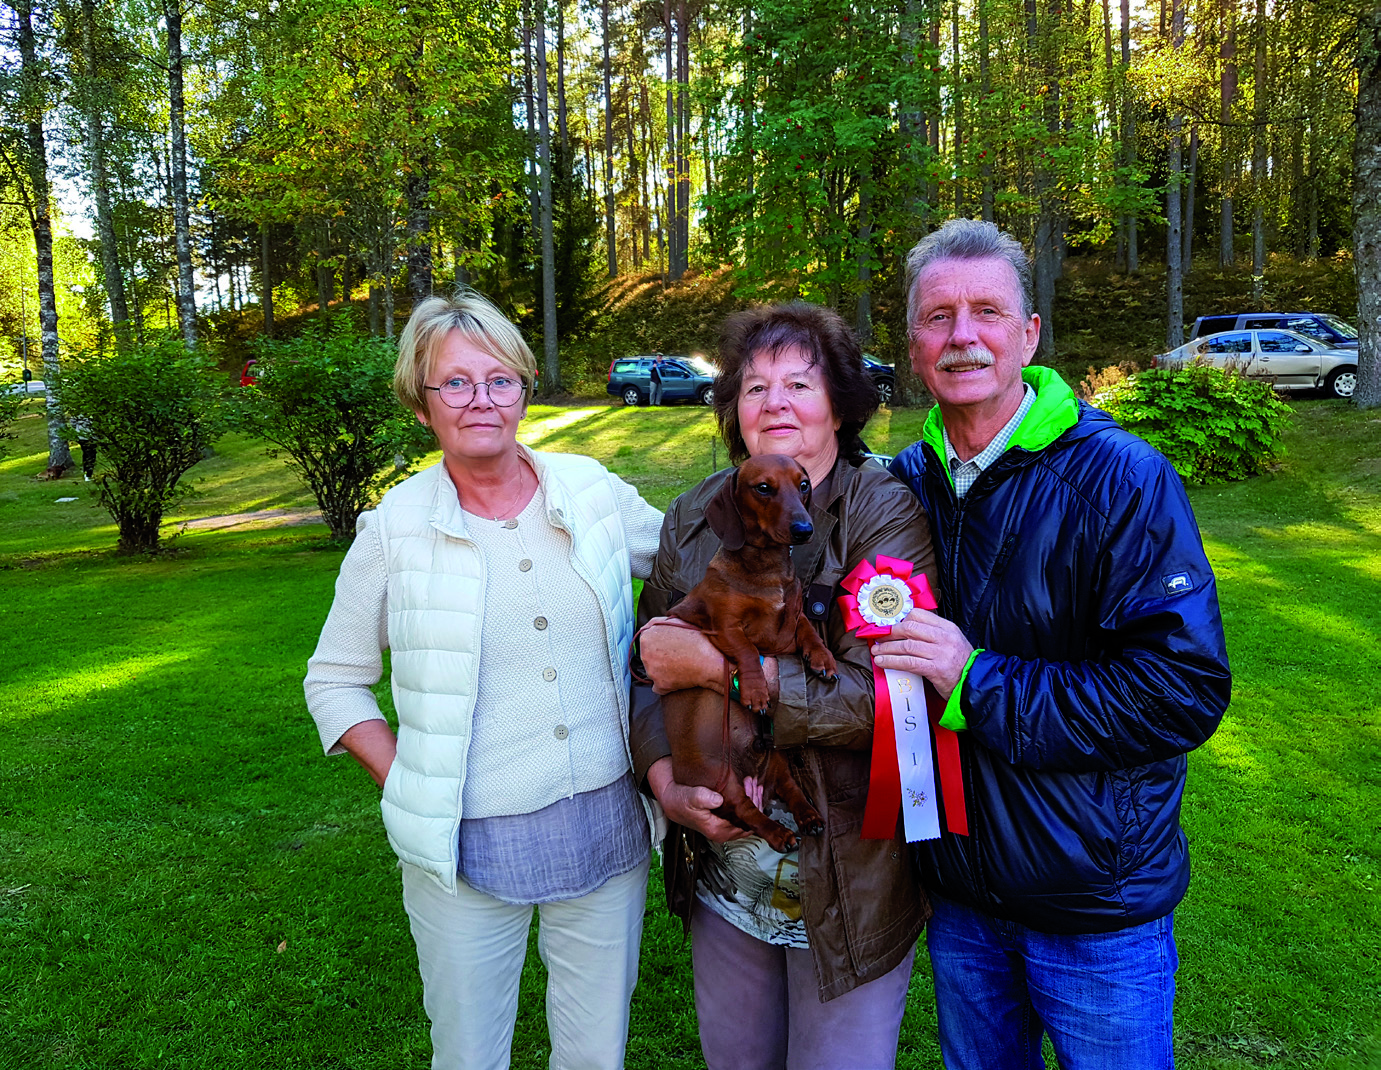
(690, 804)
(929, 646)
(677, 657)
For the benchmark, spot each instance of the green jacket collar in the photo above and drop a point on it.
(1054, 412)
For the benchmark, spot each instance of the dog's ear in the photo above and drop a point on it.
(723, 516)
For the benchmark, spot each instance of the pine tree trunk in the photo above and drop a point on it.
(863, 313)
(957, 90)
(265, 279)
(1259, 116)
(551, 360)
(530, 109)
(683, 138)
(182, 224)
(1174, 238)
(1129, 221)
(34, 106)
(1227, 92)
(610, 247)
(985, 170)
(1191, 183)
(673, 127)
(1366, 208)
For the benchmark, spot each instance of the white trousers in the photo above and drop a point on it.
(471, 948)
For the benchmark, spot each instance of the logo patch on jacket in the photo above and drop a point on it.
(1177, 583)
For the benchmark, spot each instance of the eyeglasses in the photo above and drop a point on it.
(457, 393)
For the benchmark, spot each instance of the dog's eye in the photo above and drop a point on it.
(765, 489)
(805, 486)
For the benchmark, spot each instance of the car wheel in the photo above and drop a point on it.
(884, 391)
(632, 396)
(1341, 382)
(707, 395)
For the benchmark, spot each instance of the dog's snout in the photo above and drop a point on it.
(801, 531)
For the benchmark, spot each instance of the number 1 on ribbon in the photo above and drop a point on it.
(920, 814)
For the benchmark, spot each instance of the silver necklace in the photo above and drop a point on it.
(522, 478)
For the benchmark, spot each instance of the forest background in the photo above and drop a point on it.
(222, 168)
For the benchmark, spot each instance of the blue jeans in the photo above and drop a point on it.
(1106, 999)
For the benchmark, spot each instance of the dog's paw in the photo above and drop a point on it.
(755, 697)
(824, 666)
(784, 842)
(813, 825)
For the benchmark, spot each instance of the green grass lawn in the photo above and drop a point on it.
(186, 882)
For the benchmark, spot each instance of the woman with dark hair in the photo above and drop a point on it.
(803, 959)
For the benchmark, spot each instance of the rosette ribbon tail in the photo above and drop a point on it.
(880, 596)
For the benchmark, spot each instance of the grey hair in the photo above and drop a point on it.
(967, 239)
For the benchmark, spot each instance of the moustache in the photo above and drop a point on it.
(973, 355)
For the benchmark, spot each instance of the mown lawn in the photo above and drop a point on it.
(186, 882)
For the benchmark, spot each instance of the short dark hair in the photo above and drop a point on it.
(826, 338)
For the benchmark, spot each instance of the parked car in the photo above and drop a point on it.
(1288, 359)
(683, 379)
(883, 375)
(1320, 326)
(249, 374)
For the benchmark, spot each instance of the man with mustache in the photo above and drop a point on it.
(1079, 651)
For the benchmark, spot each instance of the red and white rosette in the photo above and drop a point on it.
(907, 716)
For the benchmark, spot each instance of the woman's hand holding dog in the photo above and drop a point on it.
(677, 657)
(690, 804)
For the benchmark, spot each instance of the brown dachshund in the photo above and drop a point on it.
(748, 604)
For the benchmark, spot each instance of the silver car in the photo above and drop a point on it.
(1286, 359)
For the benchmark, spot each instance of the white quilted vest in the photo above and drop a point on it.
(435, 613)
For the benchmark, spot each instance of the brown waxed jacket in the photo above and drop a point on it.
(862, 901)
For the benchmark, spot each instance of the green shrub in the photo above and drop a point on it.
(153, 411)
(1212, 425)
(10, 404)
(325, 402)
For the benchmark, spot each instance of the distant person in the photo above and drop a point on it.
(1080, 648)
(498, 579)
(655, 377)
(86, 440)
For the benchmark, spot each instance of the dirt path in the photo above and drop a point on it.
(262, 518)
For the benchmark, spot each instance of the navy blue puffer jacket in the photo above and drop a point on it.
(1075, 564)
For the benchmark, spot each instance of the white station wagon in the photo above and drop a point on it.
(1289, 361)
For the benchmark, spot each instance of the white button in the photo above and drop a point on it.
(561, 732)
(548, 675)
(525, 565)
(540, 624)
(510, 524)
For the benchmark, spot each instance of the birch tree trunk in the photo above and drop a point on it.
(182, 224)
(1190, 183)
(1366, 207)
(112, 276)
(610, 246)
(34, 107)
(549, 347)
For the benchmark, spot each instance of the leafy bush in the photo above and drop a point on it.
(325, 400)
(153, 411)
(1212, 425)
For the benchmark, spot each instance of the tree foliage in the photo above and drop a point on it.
(153, 410)
(325, 403)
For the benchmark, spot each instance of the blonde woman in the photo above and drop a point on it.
(499, 579)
